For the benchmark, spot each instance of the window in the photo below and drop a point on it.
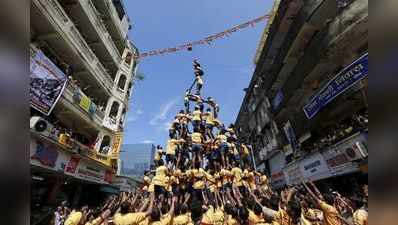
(129, 89)
(122, 82)
(128, 58)
(122, 117)
(114, 111)
(105, 145)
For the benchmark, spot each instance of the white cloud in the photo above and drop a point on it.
(148, 142)
(166, 126)
(135, 115)
(164, 110)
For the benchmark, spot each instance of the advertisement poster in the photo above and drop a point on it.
(72, 164)
(117, 142)
(47, 82)
(45, 154)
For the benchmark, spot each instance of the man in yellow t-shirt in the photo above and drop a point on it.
(75, 218)
(172, 146)
(161, 180)
(125, 217)
(237, 174)
(183, 216)
(330, 213)
(196, 117)
(158, 154)
(156, 218)
(360, 217)
(209, 119)
(245, 154)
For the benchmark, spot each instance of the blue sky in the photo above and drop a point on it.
(227, 63)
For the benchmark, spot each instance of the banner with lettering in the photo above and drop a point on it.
(47, 82)
(117, 143)
(345, 79)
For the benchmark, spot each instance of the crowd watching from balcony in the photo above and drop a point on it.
(357, 123)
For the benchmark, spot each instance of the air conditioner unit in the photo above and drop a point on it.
(40, 125)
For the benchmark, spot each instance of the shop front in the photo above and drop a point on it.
(60, 176)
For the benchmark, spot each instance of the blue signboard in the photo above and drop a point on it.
(276, 102)
(340, 83)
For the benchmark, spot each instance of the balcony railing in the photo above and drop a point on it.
(71, 145)
(67, 28)
(102, 30)
(71, 95)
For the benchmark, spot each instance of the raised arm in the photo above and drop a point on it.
(310, 192)
(317, 192)
(149, 210)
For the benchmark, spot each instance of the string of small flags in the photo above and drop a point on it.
(208, 40)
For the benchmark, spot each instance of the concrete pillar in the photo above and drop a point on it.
(52, 194)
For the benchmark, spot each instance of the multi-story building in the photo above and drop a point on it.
(135, 159)
(82, 74)
(305, 109)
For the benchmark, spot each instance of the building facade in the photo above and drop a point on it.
(135, 159)
(82, 70)
(305, 110)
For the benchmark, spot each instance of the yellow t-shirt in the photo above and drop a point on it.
(226, 176)
(94, 222)
(252, 180)
(360, 217)
(197, 115)
(163, 221)
(151, 188)
(330, 214)
(161, 178)
(145, 221)
(172, 146)
(314, 213)
(231, 221)
(283, 218)
(237, 173)
(199, 175)
(73, 218)
(221, 138)
(196, 138)
(213, 216)
(246, 151)
(184, 219)
(210, 118)
(304, 221)
(129, 218)
(158, 154)
(255, 219)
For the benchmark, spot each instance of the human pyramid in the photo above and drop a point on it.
(206, 176)
(202, 157)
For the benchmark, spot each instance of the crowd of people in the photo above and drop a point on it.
(357, 123)
(206, 176)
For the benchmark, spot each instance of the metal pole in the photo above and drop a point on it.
(254, 161)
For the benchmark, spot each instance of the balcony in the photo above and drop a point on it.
(67, 144)
(70, 99)
(93, 29)
(51, 24)
(116, 20)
